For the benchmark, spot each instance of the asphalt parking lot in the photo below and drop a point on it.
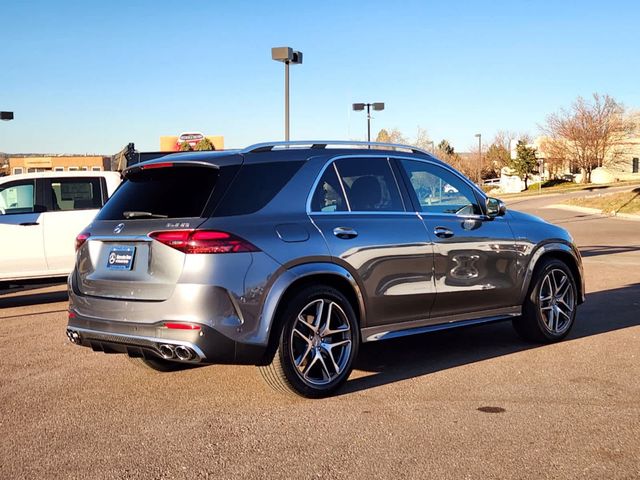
(473, 403)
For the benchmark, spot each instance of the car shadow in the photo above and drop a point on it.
(27, 298)
(404, 358)
(596, 250)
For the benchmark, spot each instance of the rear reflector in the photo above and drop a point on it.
(81, 238)
(203, 241)
(181, 326)
(71, 314)
(157, 165)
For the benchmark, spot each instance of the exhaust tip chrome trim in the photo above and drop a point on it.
(166, 351)
(183, 353)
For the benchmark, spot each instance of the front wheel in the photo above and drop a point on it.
(550, 309)
(317, 346)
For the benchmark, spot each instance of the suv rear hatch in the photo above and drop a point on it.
(130, 250)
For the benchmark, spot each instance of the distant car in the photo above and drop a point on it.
(289, 255)
(40, 216)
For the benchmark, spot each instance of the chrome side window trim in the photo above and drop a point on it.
(448, 168)
(332, 161)
(344, 191)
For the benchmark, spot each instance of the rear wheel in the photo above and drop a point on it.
(550, 309)
(317, 345)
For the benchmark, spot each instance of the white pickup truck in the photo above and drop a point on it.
(40, 216)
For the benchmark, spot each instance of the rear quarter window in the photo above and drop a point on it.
(255, 186)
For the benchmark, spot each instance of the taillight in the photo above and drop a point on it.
(203, 241)
(81, 238)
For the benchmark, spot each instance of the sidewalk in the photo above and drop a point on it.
(594, 211)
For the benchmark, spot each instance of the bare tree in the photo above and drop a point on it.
(391, 136)
(588, 134)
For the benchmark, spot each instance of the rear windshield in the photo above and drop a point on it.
(162, 193)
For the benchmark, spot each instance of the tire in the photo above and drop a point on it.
(317, 345)
(160, 364)
(549, 311)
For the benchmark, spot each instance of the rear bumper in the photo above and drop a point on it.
(202, 346)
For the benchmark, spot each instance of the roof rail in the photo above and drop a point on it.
(322, 144)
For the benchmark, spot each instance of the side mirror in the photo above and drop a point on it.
(495, 207)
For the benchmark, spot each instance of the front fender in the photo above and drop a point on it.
(554, 248)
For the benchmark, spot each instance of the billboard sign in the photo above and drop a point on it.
(192, 138)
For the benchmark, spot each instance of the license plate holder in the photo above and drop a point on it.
(121, 258)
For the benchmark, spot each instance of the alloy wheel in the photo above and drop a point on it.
(321, 342)
(557, 301)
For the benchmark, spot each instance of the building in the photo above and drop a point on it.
(16, 164)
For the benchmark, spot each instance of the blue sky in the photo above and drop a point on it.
(88, 77)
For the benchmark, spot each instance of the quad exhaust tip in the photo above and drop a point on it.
(179, 352)
(183, 353)
(167, 351)
(74, 337)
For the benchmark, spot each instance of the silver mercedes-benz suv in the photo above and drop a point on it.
(289, 255)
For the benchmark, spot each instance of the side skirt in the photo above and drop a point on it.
(402, 329)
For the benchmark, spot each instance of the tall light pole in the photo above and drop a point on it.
(288, 56)
(377, 106)
(479, 135)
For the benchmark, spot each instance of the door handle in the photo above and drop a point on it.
(29, 224)
(345, 233)
(442, 232)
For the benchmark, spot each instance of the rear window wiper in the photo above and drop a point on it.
(133, 214)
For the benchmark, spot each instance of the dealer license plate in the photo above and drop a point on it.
(121, 258)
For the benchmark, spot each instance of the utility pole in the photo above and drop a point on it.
(479, 135)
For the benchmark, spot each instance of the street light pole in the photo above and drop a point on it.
(377, 106)
(286, 101)
(288, 56)
(479, 135)
(368, 122)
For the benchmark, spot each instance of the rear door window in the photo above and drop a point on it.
(370, 185)
(328, 196)
(75, 194)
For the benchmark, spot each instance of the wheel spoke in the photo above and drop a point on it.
(307, 368)
(561, 285)
(552, 320)
(565, 290)
(307, 324)
(554, 284)
(302, 336)
(303, 357)
(328, 347)
(318, 319)
(569, 306)
(325, 370)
